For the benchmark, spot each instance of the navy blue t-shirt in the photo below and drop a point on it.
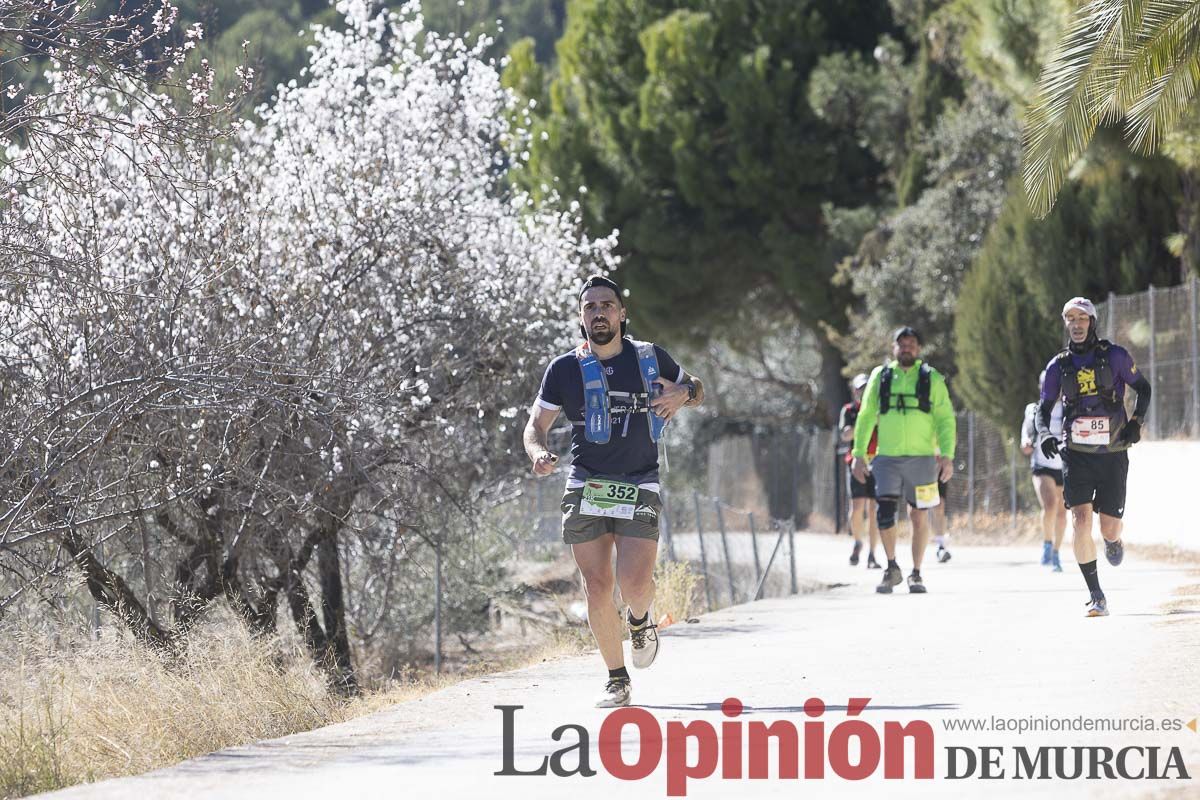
(630, 455)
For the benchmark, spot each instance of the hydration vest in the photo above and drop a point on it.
(597, 420)
(1106, 385)
(924, 380)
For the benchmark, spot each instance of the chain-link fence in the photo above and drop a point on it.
(991, 478)
(1160, 328)
(991, 475)
(738, 523)
(738, 554)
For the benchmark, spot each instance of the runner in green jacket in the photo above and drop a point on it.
(909, 403)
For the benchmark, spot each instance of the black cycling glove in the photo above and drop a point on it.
(1132, 432)
(1050, 447)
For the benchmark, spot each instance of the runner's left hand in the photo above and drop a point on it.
(945, 469)
(1132, 432)
(672, 398)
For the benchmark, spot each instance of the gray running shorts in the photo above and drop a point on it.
(896, 473)
(578, 528)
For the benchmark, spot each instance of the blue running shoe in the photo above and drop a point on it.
(1097, 606)
(1047, 547)
(1055, 564)
(1114, 551)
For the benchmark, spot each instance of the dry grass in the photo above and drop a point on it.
(84, 710)
(76, 710)
(561, 644)
(675, 592)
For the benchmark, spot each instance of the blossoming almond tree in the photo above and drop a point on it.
(118, 56)
(312, 345)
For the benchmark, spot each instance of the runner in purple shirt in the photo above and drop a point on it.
(1090, 378)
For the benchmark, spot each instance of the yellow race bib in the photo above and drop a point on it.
(927, 495)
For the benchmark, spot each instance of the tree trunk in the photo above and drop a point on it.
(110, 590)
(333, 609)
(834, 392)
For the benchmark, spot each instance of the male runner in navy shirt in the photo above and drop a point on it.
(612, 494)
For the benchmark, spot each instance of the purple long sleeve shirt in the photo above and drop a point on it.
(1089, 402)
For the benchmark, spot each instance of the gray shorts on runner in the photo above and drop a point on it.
(896, 473)
(579, 528)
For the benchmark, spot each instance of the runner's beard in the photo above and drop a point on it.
(603, 336)
(906, 359)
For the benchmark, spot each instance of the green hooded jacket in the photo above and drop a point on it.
(906, 431)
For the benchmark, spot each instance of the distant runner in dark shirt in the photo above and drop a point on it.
(862, 493)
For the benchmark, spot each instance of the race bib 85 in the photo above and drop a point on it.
(1090, 430)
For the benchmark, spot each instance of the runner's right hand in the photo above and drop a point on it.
(544, 464)
(1049, 447)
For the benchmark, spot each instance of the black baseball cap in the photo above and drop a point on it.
(596, 281)
(907, 331)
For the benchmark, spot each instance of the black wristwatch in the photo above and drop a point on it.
(691, 391)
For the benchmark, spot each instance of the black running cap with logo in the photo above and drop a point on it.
(906, 331)
(598, 281)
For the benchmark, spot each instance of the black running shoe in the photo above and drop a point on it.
(854, 554)
(891, 577)
(872, 563)
(943, 555)
(915, 584)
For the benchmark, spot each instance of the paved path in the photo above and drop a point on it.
(996, 635)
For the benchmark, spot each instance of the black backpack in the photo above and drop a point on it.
(1106, 386)
(924, 380)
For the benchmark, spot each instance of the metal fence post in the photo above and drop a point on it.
(1193, 330)
(971, 470)
(666, 524)
(1012, 475)
(1110, 324)
(1153, 370)
(537, 511)
(725, 549)
(839, 505)
(762, 581)
(98, 554)
(754, 546)
(437, 607)
(791, 531)
(703, 555)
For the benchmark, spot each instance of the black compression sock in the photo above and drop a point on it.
(916, 572)
(619, 672)
(1091, 576)
(639, 620)
(892, 564)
